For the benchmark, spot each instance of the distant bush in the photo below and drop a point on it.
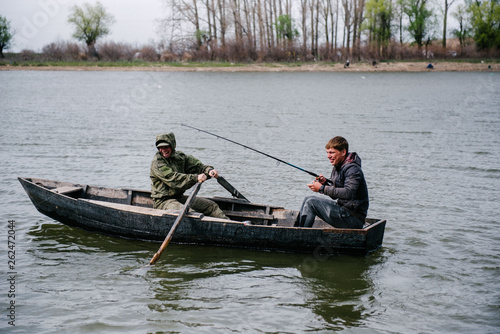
(111, 51)
(53, 51)
(187, 50)
(74, 51)
(27, 55)
(168, 57)
(148, 53)
(59, 51)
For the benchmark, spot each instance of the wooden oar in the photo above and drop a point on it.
(185, 208)
(222, 181)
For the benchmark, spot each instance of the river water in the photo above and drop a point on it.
(430, 145)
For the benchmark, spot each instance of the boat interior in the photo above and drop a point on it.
(235, 208)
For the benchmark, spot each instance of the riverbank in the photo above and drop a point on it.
(438, 66)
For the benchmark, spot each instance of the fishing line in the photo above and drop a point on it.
(260, 152)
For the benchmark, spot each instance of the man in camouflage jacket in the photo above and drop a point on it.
(173, 172)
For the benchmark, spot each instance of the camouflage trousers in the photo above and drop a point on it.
(202, 205)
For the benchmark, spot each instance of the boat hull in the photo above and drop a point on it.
(112, 217)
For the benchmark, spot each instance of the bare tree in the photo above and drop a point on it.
(348, 7)
(313, 8)
(261, 24)
(358, 10)
(462, 15)
(269, 22)
(447, 5)
(326, 7)
(253, 29)
(336, 22)
(195, 18)
(223, 23)
(303, 7)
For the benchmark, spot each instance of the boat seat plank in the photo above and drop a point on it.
(249, 214)
(241, 201)
(141, 209)
(66, 190)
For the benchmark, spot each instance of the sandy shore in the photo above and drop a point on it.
(357, 67)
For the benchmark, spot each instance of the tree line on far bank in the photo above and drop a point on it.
(266, 30)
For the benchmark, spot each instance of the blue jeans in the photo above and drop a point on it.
(328, 210)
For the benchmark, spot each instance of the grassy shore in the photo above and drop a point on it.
(471, 65)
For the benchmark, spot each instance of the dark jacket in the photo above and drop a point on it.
(171, 177)
(349, 187)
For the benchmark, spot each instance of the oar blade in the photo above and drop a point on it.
(222, 181)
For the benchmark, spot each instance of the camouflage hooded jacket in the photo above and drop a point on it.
(172, 176)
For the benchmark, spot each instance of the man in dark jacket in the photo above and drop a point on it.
(346, 202)
(173, 172)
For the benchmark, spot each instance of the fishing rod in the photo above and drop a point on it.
(267, 155)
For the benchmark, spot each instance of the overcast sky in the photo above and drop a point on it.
(40, 22)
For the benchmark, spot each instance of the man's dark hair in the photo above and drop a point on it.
(339, 143)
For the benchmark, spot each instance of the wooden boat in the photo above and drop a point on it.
(129, 213)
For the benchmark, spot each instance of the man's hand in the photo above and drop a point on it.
(314, 186)
(213, 173)
(202, 177)
(321, 179)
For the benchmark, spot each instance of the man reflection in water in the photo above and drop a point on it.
(346, 202)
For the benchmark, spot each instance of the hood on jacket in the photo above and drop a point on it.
(168, 138)
(352, 157)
